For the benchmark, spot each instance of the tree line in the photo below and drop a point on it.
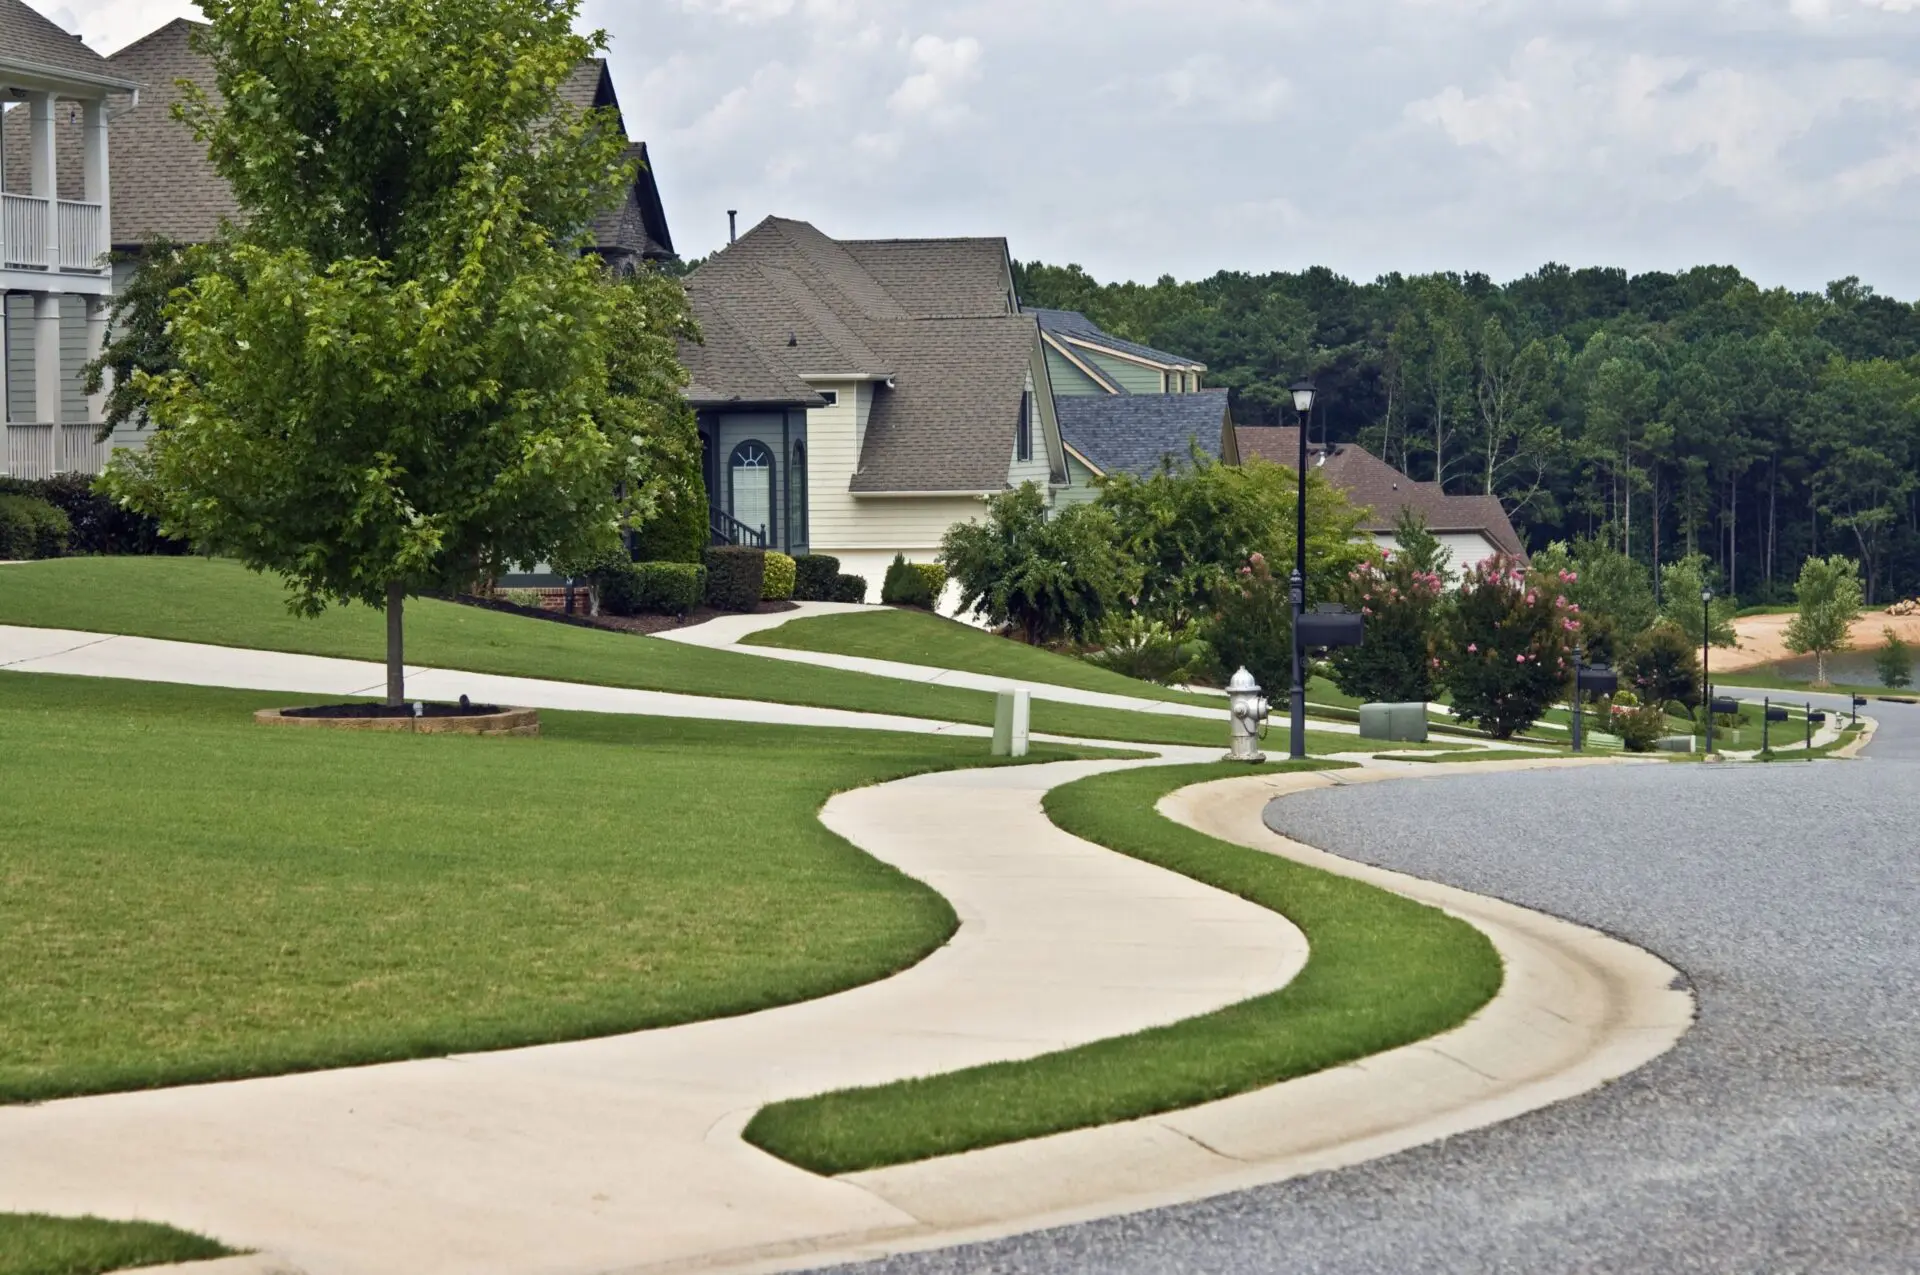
(1663, 415)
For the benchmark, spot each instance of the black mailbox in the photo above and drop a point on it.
(1776, 714)
(1329, 627)
(1598, 679)
(1723, 706)
(1817, 718)
(1859, 701)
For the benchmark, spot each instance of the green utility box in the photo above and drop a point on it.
(1395, 723)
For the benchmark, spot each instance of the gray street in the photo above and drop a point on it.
(1781, 1135)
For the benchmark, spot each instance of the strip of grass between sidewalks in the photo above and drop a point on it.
(1384, 971)
(920, 637)
(220, 602)
(39, 1244)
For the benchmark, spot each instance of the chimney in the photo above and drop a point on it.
(733, 225)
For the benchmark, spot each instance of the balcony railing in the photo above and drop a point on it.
(40, 450)
(24, 244)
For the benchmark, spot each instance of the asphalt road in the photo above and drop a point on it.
(1781, 1135)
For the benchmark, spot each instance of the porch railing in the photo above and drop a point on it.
(40, 449)
(82, 230)
(728, 530)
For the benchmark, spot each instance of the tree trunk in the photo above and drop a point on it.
(396, 664)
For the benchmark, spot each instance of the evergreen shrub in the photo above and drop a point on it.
(813, 577)
(849, 589)
(781, 573)
(669, 588)
(677, 531)
(32, 528)
(1663, 664)
(913, 584)
(96, 523)
(736, 577)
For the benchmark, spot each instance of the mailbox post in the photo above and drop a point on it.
(1588, 679)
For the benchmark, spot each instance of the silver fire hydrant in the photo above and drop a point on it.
(1248, 713)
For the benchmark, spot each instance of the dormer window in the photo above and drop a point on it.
(1023, 432)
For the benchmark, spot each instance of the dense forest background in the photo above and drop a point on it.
(1663, 414)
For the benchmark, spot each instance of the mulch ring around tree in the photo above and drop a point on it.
(419, 718)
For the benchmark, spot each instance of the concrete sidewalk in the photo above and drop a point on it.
(612, 1153)
(196, 664)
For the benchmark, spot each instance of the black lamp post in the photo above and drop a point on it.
(1303, 395)
(1706, 678)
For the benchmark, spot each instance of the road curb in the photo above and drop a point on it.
(1577, 1009)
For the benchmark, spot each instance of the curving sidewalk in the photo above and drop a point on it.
(611, 1153)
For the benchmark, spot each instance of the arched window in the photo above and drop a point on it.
(750, 480)
(797, 495)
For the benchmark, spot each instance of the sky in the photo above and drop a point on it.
(1141, 138)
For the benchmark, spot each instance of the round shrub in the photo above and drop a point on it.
(1506, 646)
(813, 577)
(32, 528)
(1663, 664)
(781, 573)
(849, 589)
(907, 587)
(669, 588)
(616, 585)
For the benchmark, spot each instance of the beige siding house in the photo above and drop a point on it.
(858, 398)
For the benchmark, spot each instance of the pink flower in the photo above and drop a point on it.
(1473, 648)
(1519, 659)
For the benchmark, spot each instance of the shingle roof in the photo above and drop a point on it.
(163, 184)
(165, 187)
(1075, 325)
(727, 368)
(1134, 433)
(1383, 490)
(31, 41)
(933, 316)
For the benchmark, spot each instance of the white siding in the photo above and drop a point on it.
(1468, 548)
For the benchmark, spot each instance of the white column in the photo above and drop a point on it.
(46, 358)
(97, 189)
(45, 175)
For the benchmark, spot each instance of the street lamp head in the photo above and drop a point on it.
(1303, 397)
(1706, 597)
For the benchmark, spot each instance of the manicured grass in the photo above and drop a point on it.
(1384, 971)
(188, 896)
(36, 1244)
(920, 637)
(200, 600)
(1491, 754)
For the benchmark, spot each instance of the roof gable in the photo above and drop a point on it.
(1137, 433)
(30, 41)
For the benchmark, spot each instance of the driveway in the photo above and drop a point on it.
(1781, 1135)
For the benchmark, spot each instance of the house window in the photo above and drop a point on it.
(1023, 432)
(750, 484)
(832, 397)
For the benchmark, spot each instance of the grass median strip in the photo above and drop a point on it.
(1384, 971)
(219, 602)
(186, 896)
(39, 1244)
(920, 637)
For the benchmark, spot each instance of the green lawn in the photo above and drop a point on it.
(920, 637)
(36, 1244)
(1491, 754)
(1384, 971)
(201, 600)
(189, 896)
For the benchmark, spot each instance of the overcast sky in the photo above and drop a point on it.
(1148, 137)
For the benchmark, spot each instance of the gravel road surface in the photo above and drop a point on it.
(1781, 1135)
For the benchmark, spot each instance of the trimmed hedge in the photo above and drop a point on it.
(781, 573)
(814, 576)
(913, 584)
(32, 528)
(736, 577)
(849, 589)
(677, 532)
(670, 588)
(96, 524)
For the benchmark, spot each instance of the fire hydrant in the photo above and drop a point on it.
(1248, 714)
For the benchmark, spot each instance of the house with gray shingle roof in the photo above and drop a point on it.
(860, 397)
(60, 100)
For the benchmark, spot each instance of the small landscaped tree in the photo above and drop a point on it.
(1829, 599)
(402, 373)
(1398, 598)
(1662, 666)
(1894, 661)
(1047, 577)
(1680, 586)
(1507, 646)
(1251, 626)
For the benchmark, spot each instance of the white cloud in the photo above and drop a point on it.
(1207, 86)
(946, 68)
